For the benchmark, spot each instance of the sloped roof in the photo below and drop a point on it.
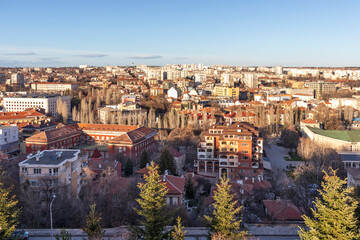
(282, 210)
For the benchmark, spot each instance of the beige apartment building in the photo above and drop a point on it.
(53, 168)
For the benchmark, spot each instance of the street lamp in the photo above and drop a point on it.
(51, 223)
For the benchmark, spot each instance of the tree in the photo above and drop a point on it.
(166, 162)
(334, 212)
(144, 159)
(9, 213)
(224, 220)
(189, 189)
(93, 227)
(178, 233)
(152, 203)
(64, 235)
(128, 167)
(290, 138)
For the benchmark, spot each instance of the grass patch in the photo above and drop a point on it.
(293, 157)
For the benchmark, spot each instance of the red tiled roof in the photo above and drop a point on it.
(309, 121)
(282, 210)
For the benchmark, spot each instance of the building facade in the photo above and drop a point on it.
(52, 168)
(9, 139)
(232, 149)
(46, 102)
(52, 87)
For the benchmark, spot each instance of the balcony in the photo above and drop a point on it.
(254, 165)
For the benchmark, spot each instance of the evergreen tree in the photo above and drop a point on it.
(9, 213)
(189, 189)
(144, 159)
(178, 233)
(166, 162)
(334, 212)
(152, 203)
(128, 167)
(224, 221)
(64, 235)
(93, 227)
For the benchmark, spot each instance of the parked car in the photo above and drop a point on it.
(18, 234)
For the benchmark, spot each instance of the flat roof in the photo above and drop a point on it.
(49, 157)
(350, 156)
(6, 126)
(36, 96)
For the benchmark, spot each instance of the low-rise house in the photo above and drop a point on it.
(9, 139)
(282, 211)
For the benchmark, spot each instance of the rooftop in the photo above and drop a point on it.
(37, 96)
(343, 135)
(52, 157)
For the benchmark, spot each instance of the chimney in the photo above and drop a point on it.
(164, 178)
(240, 181)
(259, 178)
(193, 174)
(166, 172)
(253, 179)
(37, 157)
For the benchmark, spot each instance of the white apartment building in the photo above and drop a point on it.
(46, 102)
(9, 139)
(16, 78)
(227, 79)
(57, 167)
(250, 80)
(200, 77)
(45, 87)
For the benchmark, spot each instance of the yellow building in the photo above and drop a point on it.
(226, 91)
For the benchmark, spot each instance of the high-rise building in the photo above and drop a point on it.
(2, 78)
(17, 79)
(227, 79)
(250, 80)
(234, 149)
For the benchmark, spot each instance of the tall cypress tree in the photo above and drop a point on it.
(224, 221)
(166, 161)
(93, 227)
(128, 167)
(334, 212)
(152, 203)
(144, 159)
(189, 189)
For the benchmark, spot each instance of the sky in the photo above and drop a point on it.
(232, 32)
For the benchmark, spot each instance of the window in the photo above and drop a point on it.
(244, 151)
(244, 144)
(244, 164)
(37, 170)
(34, 183)
(56, 171)
(50, 171)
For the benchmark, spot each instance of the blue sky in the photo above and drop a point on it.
(234, 32)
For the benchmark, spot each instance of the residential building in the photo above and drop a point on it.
(53, 168)
(17, 79)
(28, 116)
(9, 139)
(2, 78)
(250, 80)
(226, 91)
(321, 87)
(46, 102)
(227, 79)
(234, 149)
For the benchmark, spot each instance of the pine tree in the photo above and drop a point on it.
(224, 221)
(152, 203)
(93, 227)
(189, 189)
(178, 233)
(9, 213)
(144, 159)
(334, 212)
(128, 167)
(166, 162)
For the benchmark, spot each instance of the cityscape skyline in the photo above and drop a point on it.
(241, 33)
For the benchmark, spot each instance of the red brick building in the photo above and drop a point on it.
(234, 149)
(126, 140)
